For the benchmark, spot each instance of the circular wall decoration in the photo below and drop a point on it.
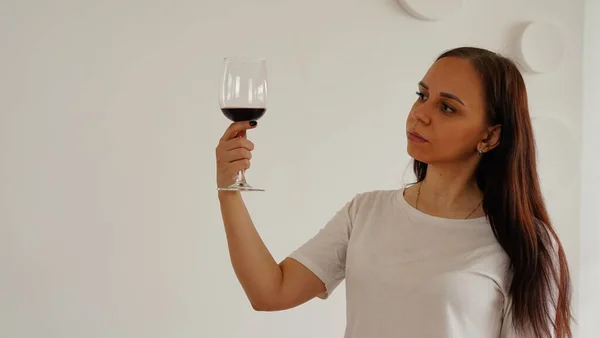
(541, 47)
(431, 10)
(557, 153)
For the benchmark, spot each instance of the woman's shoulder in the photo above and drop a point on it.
(371, 197)
(374, 200)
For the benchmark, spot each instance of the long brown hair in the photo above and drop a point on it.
(507, 175)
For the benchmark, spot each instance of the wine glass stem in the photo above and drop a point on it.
(241, 178)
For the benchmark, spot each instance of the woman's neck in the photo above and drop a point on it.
(448, 190)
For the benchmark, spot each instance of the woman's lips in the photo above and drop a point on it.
(415, 137)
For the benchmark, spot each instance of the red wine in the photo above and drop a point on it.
(243, 114)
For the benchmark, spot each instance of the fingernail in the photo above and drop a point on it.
(253, 123)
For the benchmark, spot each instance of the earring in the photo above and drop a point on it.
(479, 152)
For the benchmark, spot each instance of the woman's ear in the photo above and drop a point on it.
(492, 138)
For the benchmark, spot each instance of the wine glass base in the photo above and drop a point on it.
(240, 187)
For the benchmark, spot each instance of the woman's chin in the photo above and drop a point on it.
(417, 154)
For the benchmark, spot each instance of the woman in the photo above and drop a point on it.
(468, 251)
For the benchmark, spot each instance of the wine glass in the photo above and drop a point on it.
(243, 97)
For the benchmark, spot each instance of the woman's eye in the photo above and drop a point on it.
(448, 109)
(445, 107)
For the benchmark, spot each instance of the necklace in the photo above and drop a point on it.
(419, 194)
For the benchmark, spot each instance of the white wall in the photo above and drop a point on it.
(108, 122)
(590, 198)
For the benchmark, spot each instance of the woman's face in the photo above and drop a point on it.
(447, 122)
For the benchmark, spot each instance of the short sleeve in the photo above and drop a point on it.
(325, 253)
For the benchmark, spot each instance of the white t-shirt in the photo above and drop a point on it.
(409, 274)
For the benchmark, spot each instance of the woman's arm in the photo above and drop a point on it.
(269, 286)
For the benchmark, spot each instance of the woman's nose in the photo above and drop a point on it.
(422, 113)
